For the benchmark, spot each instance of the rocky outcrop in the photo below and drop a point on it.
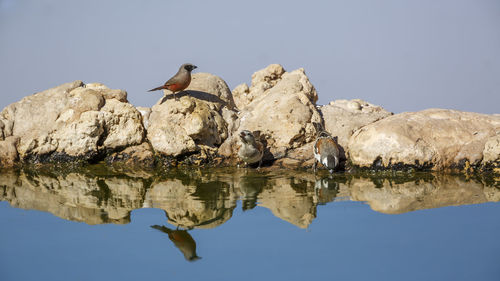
(88, 123)
(70, 122)
(194, 122)
(281, 106)
(431, 139)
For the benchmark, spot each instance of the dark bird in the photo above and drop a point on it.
(182, 240)
(251, 150)
(326, 151)
(179, 81)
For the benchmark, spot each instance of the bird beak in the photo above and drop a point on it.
(195, 67)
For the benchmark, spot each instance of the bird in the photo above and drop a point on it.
(182, 240)
(251, 150)
(179, 81)
(326, 151)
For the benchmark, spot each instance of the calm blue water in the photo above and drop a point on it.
(346, 240)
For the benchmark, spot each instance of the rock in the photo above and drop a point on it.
(262, 80)
(282, 108)
(211, 88)
(134, 156)
(194, 121)
(72, 121)
(145, 112)
(434, 138)
(8, 152)
(108, 93)
(491, 152)
(343, 117)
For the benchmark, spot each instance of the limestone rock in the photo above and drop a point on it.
(195, 120)
(282, 108)
(433, 138)
(211, 88)
(133, 156)
(72, 121)
(262, 80)
(8, 152)
(344, 117)
(145, 112)
(491, 152)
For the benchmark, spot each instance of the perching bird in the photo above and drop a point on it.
(251, 150)
(326, 151)
(179, 81)
(182, 240)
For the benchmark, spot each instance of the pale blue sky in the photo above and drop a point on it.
(403, 55)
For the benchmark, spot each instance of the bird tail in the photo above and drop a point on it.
(157, 88)
(162, 228)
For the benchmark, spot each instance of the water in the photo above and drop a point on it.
(95, 224)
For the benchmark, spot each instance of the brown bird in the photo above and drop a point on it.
(179, 81)
(182, 240)
(326, 151)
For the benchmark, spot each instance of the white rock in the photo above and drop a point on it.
(436, 138)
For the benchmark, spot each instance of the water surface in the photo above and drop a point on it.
(238, 224)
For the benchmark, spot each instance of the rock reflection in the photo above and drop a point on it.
(193, 202)
(393, 197)
(206, 198)
(74, 196)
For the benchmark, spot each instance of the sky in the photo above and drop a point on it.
(402, 55)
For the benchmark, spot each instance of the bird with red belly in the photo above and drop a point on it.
(179, 81)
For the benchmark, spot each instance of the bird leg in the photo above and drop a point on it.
(314, 165)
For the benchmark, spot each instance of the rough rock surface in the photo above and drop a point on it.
(133, 156)
(491, 152)
(145, 112)
(344, 117)
(193, 122)
(433, 138)
(71, 121)
(281, 107)
(262, 80)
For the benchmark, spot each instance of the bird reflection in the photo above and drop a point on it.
(250, 188)
(182, 240)
(326, 190)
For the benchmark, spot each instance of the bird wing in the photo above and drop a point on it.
(178, 78)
